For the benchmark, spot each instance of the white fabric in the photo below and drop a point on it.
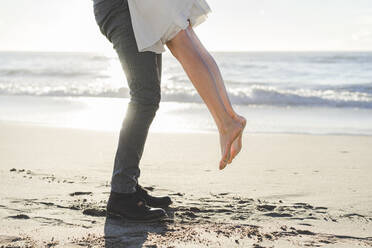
(157, 21)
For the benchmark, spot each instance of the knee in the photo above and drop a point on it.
(149, 100)
(172, 48)
(179, 42)
(145, 89)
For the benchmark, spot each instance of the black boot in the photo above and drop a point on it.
(132, 207)
(153, 201)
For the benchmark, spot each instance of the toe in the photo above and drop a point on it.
(223, 162)
(226, 154)
(232, 156)
(222, 165)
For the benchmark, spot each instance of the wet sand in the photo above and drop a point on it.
(282, 191)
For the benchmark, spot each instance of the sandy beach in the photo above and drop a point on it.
(282, 190)
(303, 83)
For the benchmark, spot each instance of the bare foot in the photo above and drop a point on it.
(237, 144)
(227, 137)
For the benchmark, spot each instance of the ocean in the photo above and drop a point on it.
(277, 92)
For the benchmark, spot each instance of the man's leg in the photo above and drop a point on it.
(143, 73)
(139, 116)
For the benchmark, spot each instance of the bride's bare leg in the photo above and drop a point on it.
(237, 144)
(184, 49)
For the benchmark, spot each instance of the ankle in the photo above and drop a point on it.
(126, 200)
(233, 114)
(119, 194)
(227, 125)
(116, 197)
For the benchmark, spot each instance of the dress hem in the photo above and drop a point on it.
(191, 16)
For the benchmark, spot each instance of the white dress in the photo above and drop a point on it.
(157, 21)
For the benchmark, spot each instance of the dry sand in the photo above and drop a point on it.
(282, 190)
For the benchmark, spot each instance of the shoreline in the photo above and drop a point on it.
(45, 125)
(97, 113)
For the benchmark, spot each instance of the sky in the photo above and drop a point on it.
(235, 25)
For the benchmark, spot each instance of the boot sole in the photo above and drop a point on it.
(130, 220)
(160, 206)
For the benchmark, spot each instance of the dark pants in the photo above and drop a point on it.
(143, 73)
